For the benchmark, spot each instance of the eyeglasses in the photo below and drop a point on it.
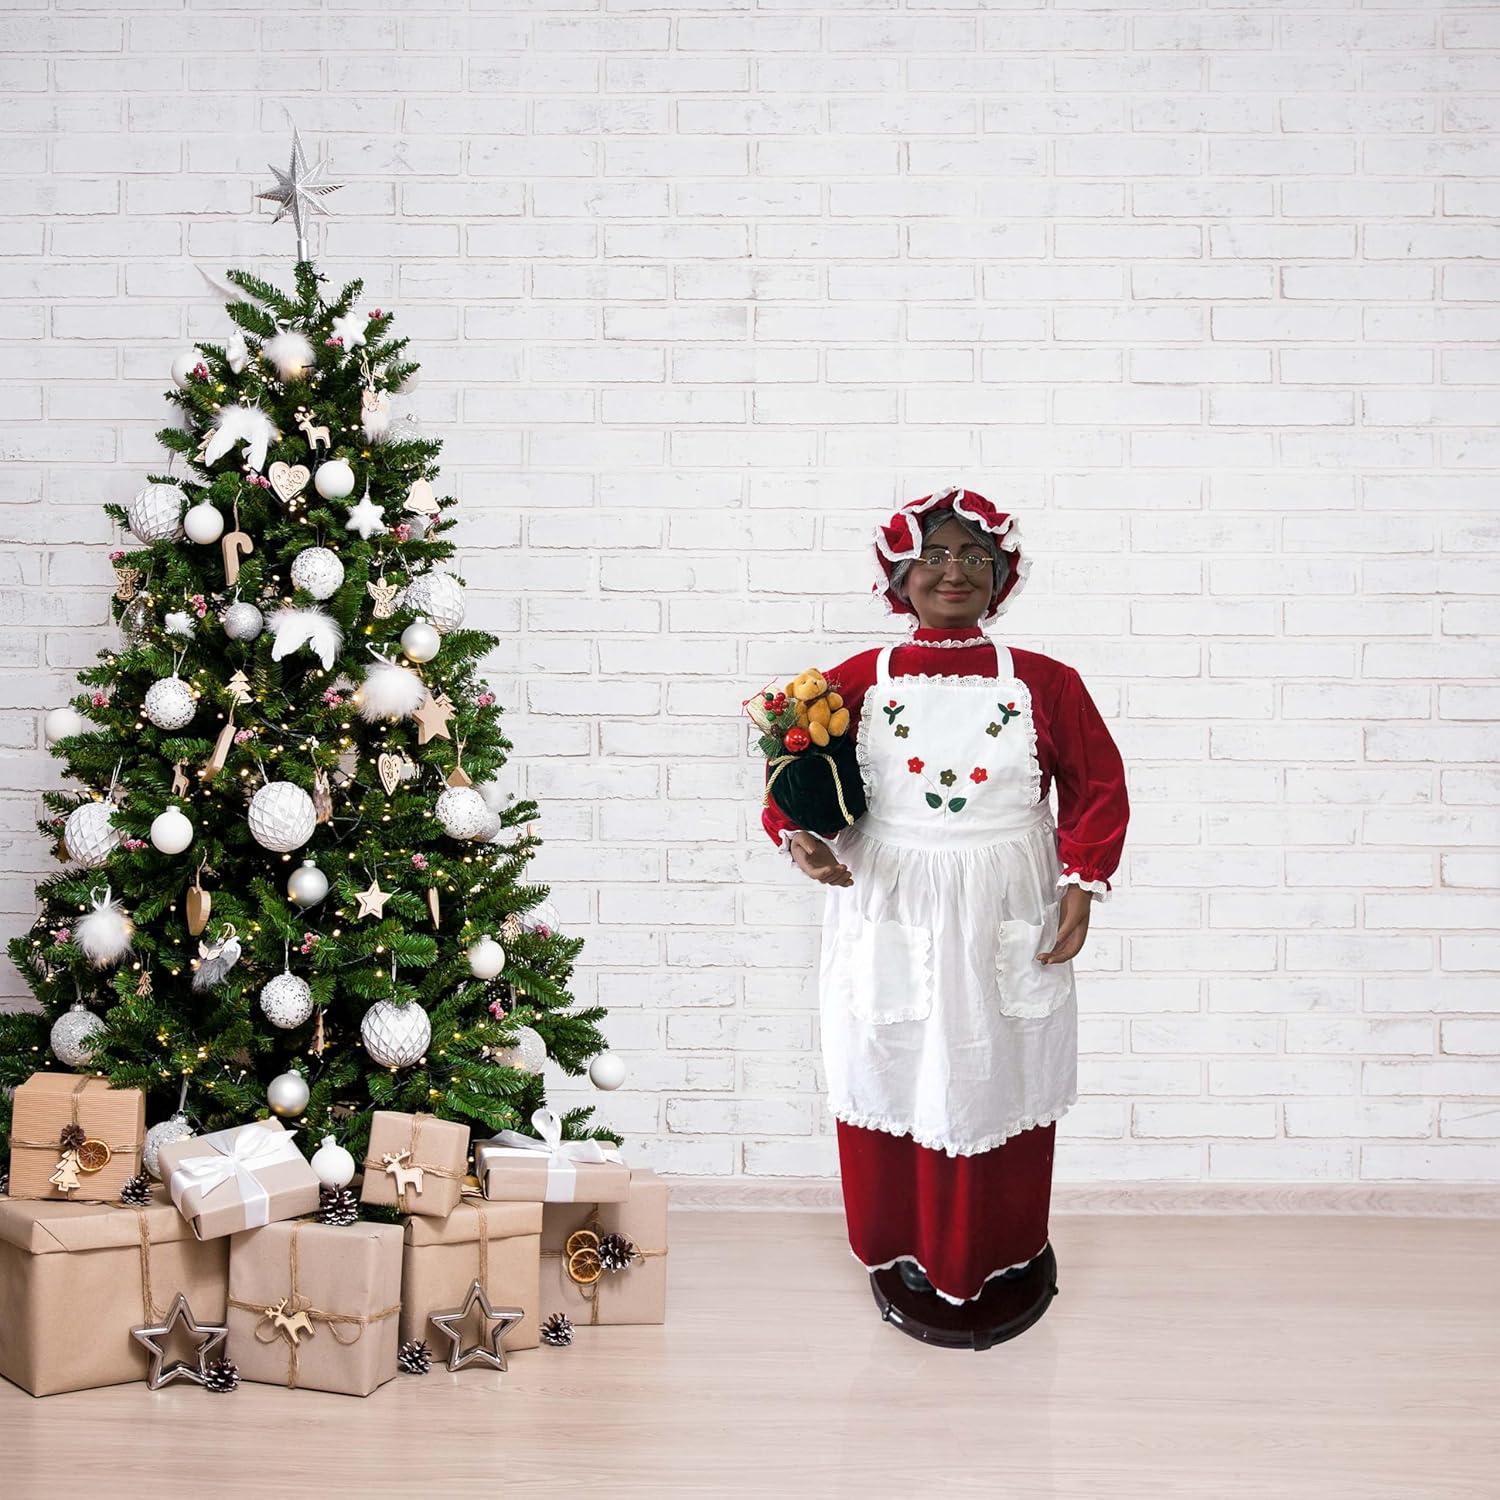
(971, 560)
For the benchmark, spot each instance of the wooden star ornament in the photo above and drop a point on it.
(432, 718)
(372, 901)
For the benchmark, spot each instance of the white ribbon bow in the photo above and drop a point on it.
(562, 1156)
(234, 1155)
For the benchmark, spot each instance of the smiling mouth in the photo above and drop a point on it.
(954, 593)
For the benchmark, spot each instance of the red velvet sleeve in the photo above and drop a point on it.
(855, 678)
(1093, 806)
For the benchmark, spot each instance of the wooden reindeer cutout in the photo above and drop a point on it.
(316, 436)
(405, 1176)
(293, 1324)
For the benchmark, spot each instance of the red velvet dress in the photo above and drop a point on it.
(966, 1218)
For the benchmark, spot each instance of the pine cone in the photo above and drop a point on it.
(137, 1191)
(415, 1357)
(338, 1206)
(616, 1252)
(72, 1137)
(558, 1331)
(221, 1376)
(4, 1183)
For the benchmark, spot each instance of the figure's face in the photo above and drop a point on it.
(951, 597)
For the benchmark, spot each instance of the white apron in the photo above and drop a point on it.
(936, 1020)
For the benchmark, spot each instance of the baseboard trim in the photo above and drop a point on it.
(1421, 1200)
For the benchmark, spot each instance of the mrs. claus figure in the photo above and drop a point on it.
(955, 906)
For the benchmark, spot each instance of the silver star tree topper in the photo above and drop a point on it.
(298, 191)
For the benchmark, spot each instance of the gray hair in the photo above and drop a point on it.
(931, 521)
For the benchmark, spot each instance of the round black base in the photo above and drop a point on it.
(1007, 1306)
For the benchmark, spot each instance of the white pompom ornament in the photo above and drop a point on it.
(461, 811)
(308, 885)
(395, 1036)
(607, 1071)
(154, 513)
(282, 817)
(437, 596)
(332, 1165)
(178, 1128)
(318, 571)
(389, 692)
(203, 523)
(334, 480)
(62, 722)
(171, 830)
(286, 1001)
(420, 642)
(291, 353)
(243, 621)
(89, 835)
(105, 933)
(486, 958)
(73, 1034)
(183, 366)
(170, 703)
(287, 1094)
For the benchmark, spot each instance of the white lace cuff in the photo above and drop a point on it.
(785, 835)
(1100, 888)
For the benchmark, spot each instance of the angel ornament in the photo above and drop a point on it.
(216, 959)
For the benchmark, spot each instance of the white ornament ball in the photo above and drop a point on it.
(318, 571)
(154, 514)
(461, 811)
(72, 1035)
(287, 1094)
(438, 596)
(243, 622)
(163, 1134)
(308, 885)
(204, 523)
(90, 835)
(607, 1071)
(291, 352)
(486, 958)
(419, 525)
(333, 1166)
(282, 817)
(171, 830)
(183, 366)
(490, 833)
(286, 1001)
(62, 722)
(334, 479)
(420, 641)
(529, 1053)
(170, 703)
(395, 1036)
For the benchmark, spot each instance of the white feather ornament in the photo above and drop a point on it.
(179, 623)
(236, 354)
(215, 960)
(291, 352)
(105, 933)
(241, 424)
(389, 692)
(295, 628)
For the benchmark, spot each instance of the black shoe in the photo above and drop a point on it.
(913, 1277)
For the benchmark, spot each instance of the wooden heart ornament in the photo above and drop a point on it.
(199, 904)
(288, 480)
(390, 767)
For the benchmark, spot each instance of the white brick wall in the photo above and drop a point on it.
(1209, 296)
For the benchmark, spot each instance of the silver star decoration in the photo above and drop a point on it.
(152, 1337)
(498, 1322)
(366, 518)
(298, 191)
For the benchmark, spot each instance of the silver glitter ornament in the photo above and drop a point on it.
(395, 1036)
(318, 571)
(72, 1034)
(89, 835)
(169, 703)
(528, 1053)
(461, 811)
(286, 1001)
(175, 1129)
(243, 621)
(154, 513)
(282, 817)
(438, 596)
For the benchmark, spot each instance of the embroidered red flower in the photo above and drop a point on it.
(914, 765)
(979, 774)
(892, 703)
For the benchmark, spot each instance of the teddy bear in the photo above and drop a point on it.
(820, 711)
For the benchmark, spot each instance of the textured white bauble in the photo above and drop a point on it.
(461, 811)
(243, 621)
(171, 830)
(529, 1053)
(163, 1134)
(291, 352)
(438, 596)
(332, 1165)
(607, 1071)
(334, 480)
(170, 703)
(62, 722)
(287, 1094)
(307, 885)
(490, 833)
(286, 1001)
(154, 513)
(72, 1035)
(89, 835)
(486, 958)
(318, 571)
(203, 523)
(395, 1036)
(420, 641)
(183, 366)
(282, 817)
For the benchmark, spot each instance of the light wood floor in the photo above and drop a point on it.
(1220, 1358)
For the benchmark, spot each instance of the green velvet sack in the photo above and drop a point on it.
(819, 789)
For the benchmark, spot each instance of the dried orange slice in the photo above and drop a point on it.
(584, 1267)
(93, 1156)
(582, 1239)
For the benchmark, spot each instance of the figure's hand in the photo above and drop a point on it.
(817, 861)
(1072, 926)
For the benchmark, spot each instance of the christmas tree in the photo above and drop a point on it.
(290, 877)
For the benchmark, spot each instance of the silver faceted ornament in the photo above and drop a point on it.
(154, 514)
(175, 1129)
(243, 622)
(170, 703)
(286, 1001)
(461, 811)
(318, 571)
(438, 596)
(287, 1094)
(72, 1035)
(395, 1036)
(528, 1053)
(282, 817)
(90, 835)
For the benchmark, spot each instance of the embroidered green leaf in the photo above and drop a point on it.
(956, 804)
(933, 800)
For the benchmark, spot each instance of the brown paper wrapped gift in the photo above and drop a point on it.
(571, 1279)
(239, 1178)
(109, 1118)
(415, 1162)
(75, 1278)
(544, 1168)
(496, 1243)
(316, 1306)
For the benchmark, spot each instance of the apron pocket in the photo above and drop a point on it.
(1027, 988)
(887, 971)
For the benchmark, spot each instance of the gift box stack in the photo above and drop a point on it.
(97, 1266)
